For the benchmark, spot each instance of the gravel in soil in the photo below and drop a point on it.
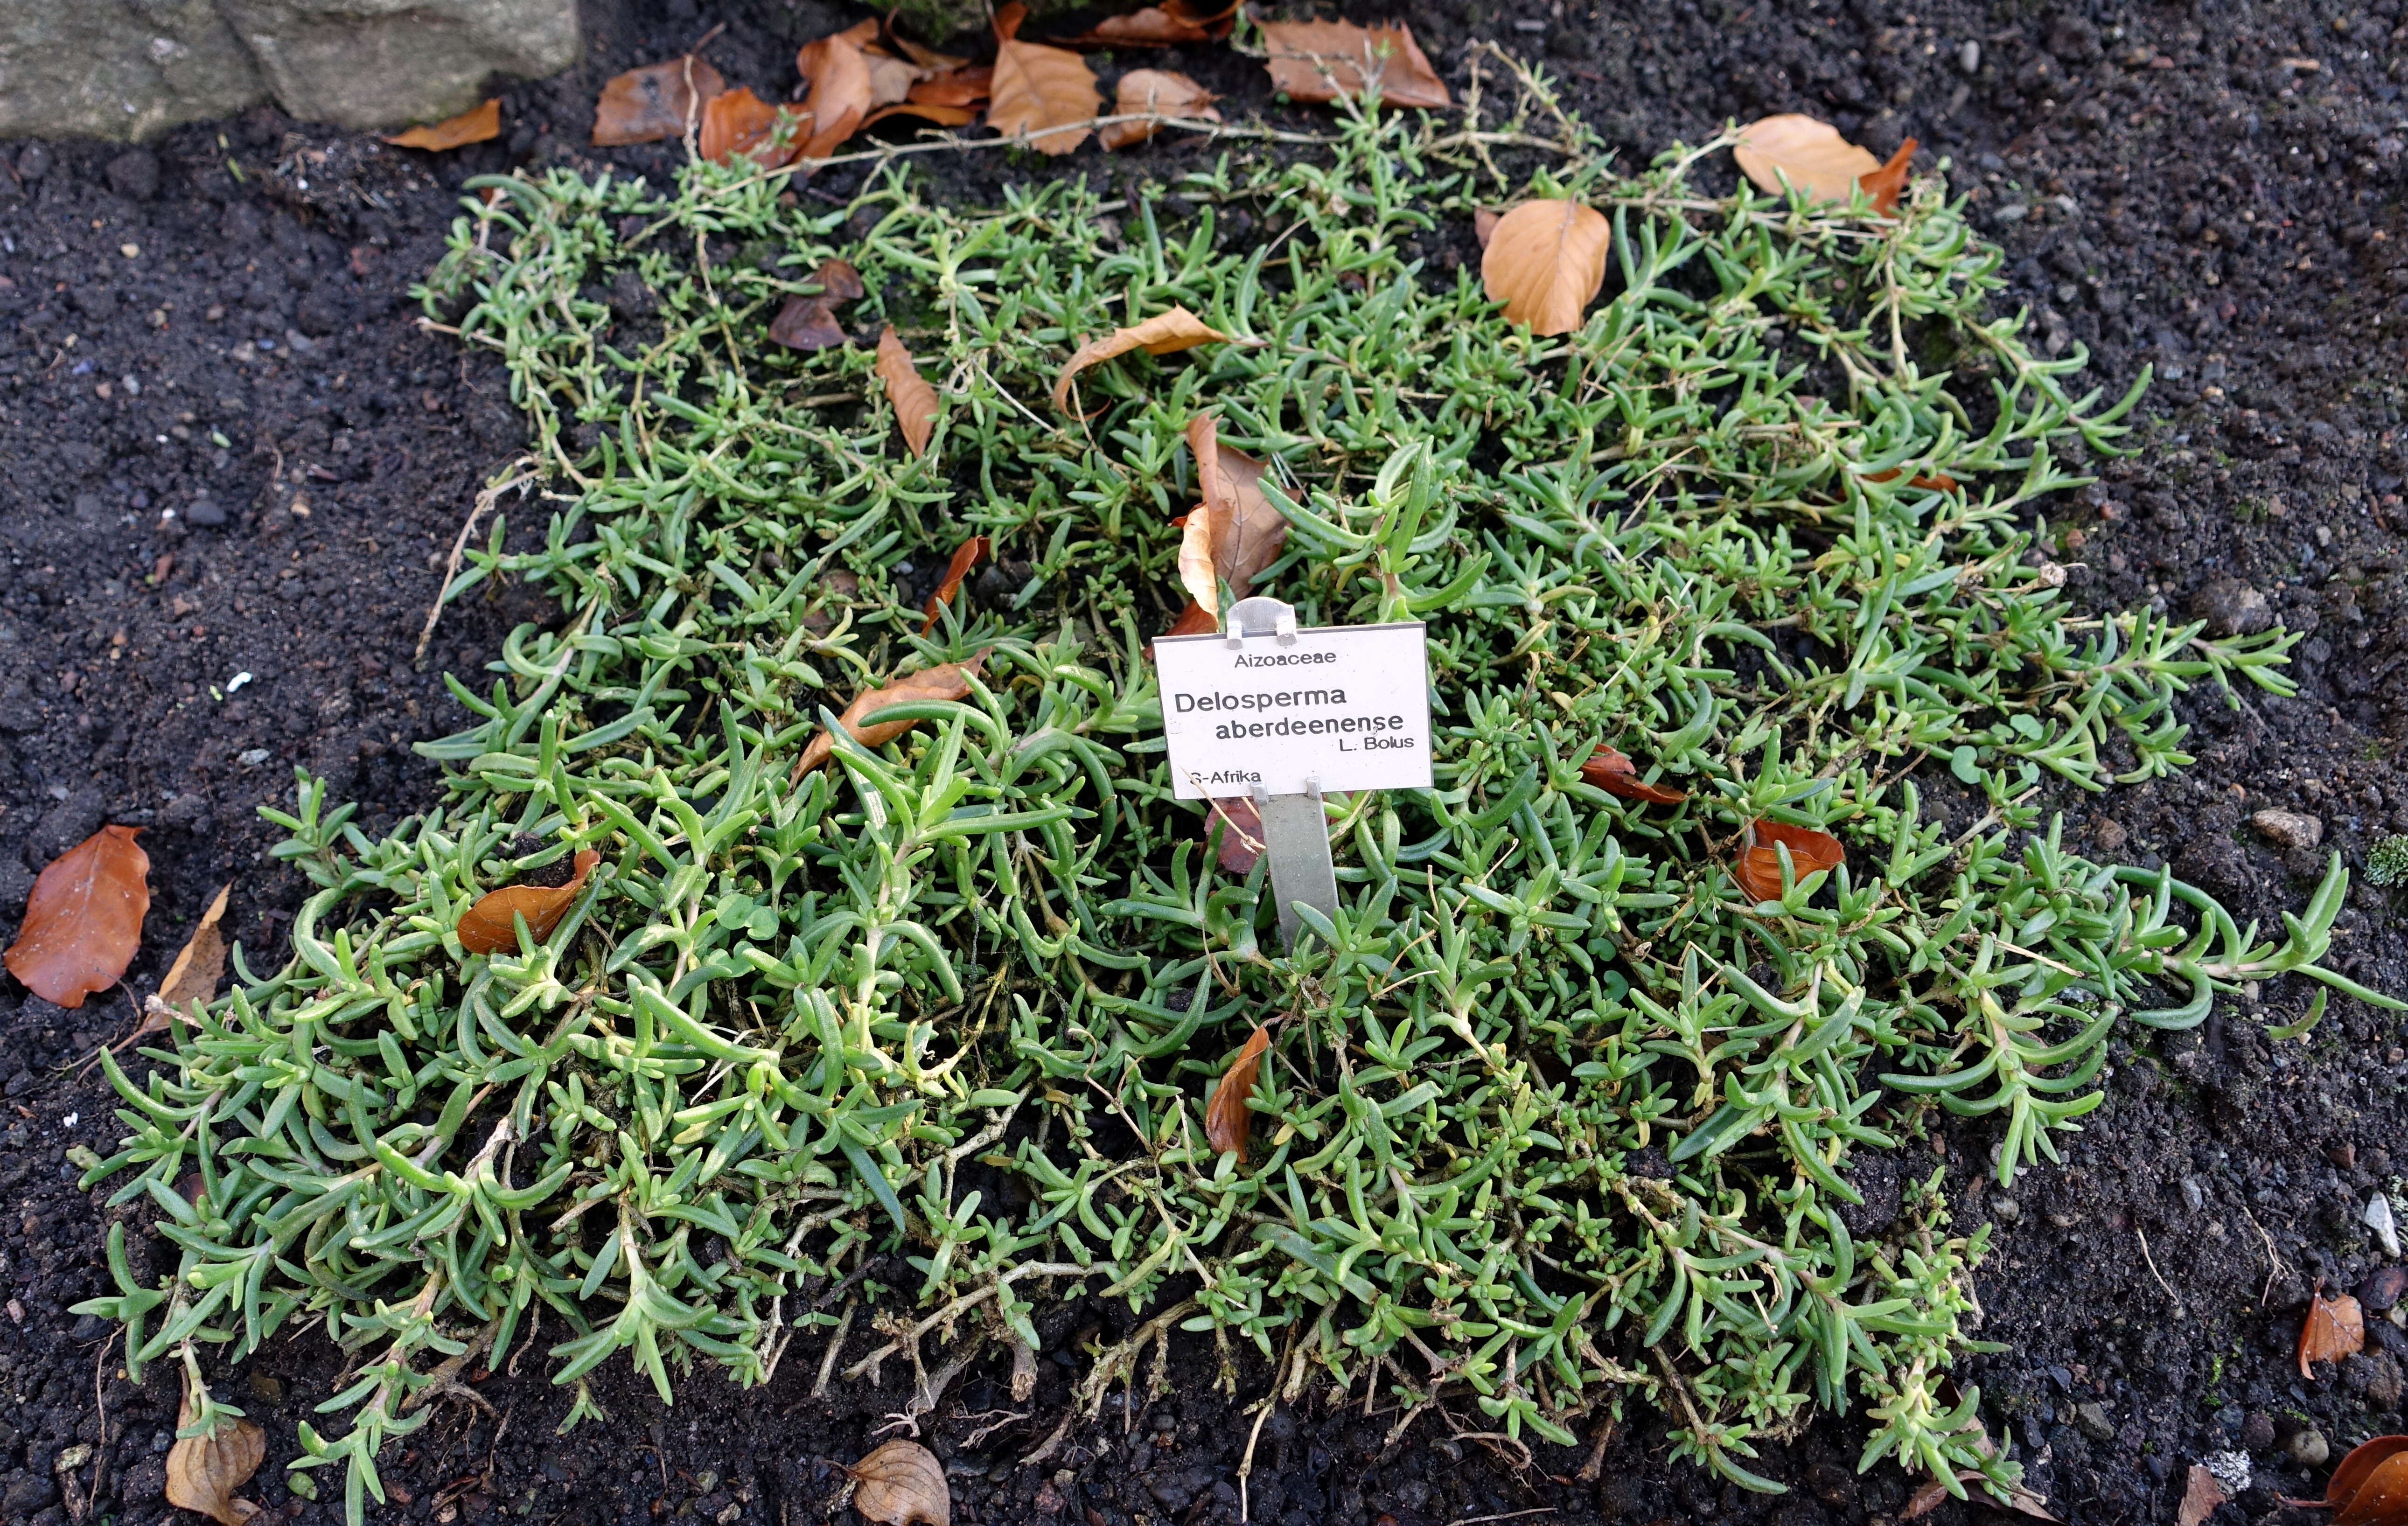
(226, 450)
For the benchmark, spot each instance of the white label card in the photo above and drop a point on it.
(1342, 707)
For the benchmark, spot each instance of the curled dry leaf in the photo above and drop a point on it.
(474, 125)
(1321, 61)
(738, 121)
(1227, 1118)
(1546, 260)
(1047, 94)
(840, 93)
(1940, 483)
(488, 928)
(1814, 157)
(1170, 24)
(1616, 774)
(2022, 1500)
(915, 401)
(83, 922)
(203, 1471)
(2203, 1492)
(653, 102)
(200, 964)
(965, 556)
(1239, 826)
(1155, 92)
(1759, 870)
(1235, 534)
(902, 1483)
(945, 682)
(1483, 224)
(2334, 1328)
(2370, 1487)
(809, 323)
(1160, 334)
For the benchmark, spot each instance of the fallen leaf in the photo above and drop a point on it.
(1228, 1119)
(1194, 621)
(1483, 224)
(1170, 24)
(1942, 483)
(83, 922)
(1616, 774)
(2333, 1329)
(927, 57)
(841, 91)
(901, 1483)
(1881, 187)
(2024, 1502)
(2370, 1487)
(487, 928)
(1812, 155)
(1239, 826)
(1759, 870)
(2201, 1493)
(956, 87)
(965, 556)
(652, 102)
(945, 682)
(913, 400)
(738, 121)
(1155, 93)
(1321, 61)
(1236, 533)
(891, 79)
(1161, 334)
(200, 964)
(809, 323)
(203, 1471)
(1546, 260)
(472, 126)
(943, 116)
(1046, 95)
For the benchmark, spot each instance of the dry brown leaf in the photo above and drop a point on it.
(650, 103)
(1155, 93)
(1616, 774)
(2334, 1328)
(1237, 533)
(1942, 483)
(2024, 1502)
(200, 964)
(203, 1471)
(1483, 224)
(487, 927)
(1812, 154)
(945, 682)
(1883, 186)
(902, 1483)
(809, 323)
(1546, 260)
(1228, 1120)
(927, 57)
(2201, 1493)
(474, 125)
(2370, 1487)
(891, 79)
(913, 400)
(1321, 61)
(1047, 94)
(1239, 824)
(841, 92)
(1759, 870)
(738, 121)
(1194, 621)
(965, 556)
(1161, 334)
(955, 87)
(83, 922)
(943, 116)
(1170, 24)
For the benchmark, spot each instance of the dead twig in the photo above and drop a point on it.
(521, 472)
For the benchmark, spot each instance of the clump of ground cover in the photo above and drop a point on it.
(1553, 1120)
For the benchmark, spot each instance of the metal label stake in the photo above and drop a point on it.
(1295, 827)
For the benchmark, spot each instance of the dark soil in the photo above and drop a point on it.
(203, 340)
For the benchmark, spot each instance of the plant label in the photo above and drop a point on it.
(1289, 711)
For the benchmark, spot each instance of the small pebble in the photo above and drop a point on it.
(2307, 1448)
(2378, 1219)
(2006, 1210)
(1969, 57)
(2289, 829)
(2093, 1419)
(2257, 1432)
(2231, 608)
(2382, 1288)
